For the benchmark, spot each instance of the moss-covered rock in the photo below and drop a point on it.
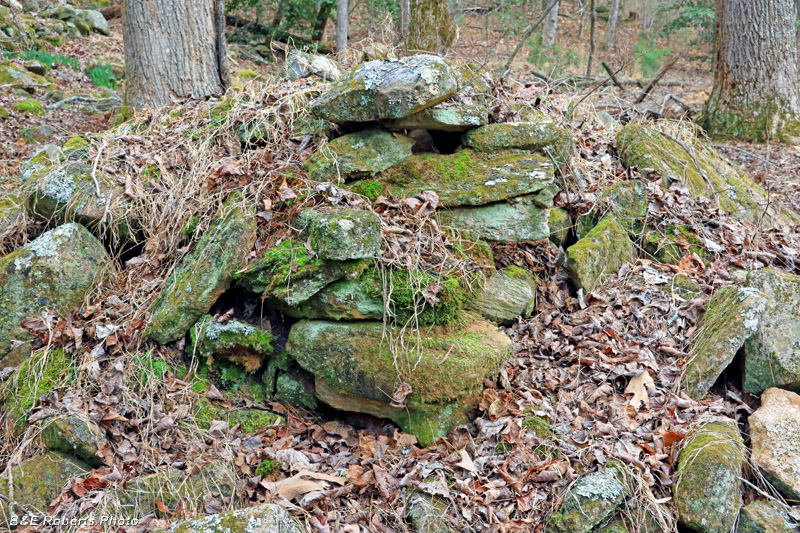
(347, 299)
(467, 177)
(174, 489)
(627, 200)
(703, 171)
(518, 220)
(732, 316)
(205, 273)
(342, 234)
(670, 244)
(508, 294)
(707, 492)
(765, 517)
(44, 158)
(774, 433)
(588, 502)
(29, 106)
(538, 135)
(600, 253)
(54, 271)
(233, 340)
(75, 434)
(361, 368)
(428, 514)
(291, 275)
(37, 482)
(70, 193)
(36, 134)
(389, 89)
(560, 225)
(467, 108)
(17, 76)
(772, 354)
(360, 154)
(296, 387)
(11, 212)
(266, 518)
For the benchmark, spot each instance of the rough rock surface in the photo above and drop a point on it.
(772, 354)
(234, 340)
(54, 271)
(542, 134)
(204, 274)
(75, 434)
(517, 220)
(388, 89)
(266, 518)
(765, 517)
(627, 200)
(347, 299)
(592, 499)
(364, 153)
(732, 316)
(508, 294)
(302, 65)
(600, 253)
(342, 234)
(428, 514)
(707, 493)
(466, 177)
(774, 434)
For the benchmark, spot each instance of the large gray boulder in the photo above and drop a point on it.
(772, 353)
(774, 434)
(54, 271)
(732, 316)
(707, 492)
(387, 89)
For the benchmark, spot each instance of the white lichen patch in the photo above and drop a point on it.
(598, 485)
(58, 185)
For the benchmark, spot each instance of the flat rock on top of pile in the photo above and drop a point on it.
(388, 89)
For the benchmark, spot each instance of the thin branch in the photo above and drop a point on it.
(526, 34)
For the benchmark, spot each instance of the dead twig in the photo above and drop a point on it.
(668, 64)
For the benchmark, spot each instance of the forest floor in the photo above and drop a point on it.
(508, 468)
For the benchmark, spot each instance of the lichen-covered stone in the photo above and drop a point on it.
(592, 499)
(302, 65)
(387, 89)
(467, 108)
(69, 193)
(76, 434)
(42, 159)
(37, 482)
(517, 220)
(560, 225)
(466, 177)
(236, 341)
(96, 21)
(707, 492)
(671, 243)
(704, 171)
(291, 275)
(360, 154)
(428, 514)
(627, 200)
(542, 134)
(772, 354)
(342, 234)
(765, 517)
(205, 273)
(774, 434)
(732, 316)
(54, 271)
(508, 294)
(600, 254)
(296, 387)
(265, 518)
(14, 75)
(358, 363)
(347, 299)
(11, 212)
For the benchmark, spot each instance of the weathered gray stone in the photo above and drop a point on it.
(508, 294)
(347, 299)
(560, 225)
(360, 154)
(765, 517)
(774, 434)
(266, 518)
(732, 316)
(387, 89)
(517, 220)
(600, 254)
(55, 271)
(428, 514)
(233, 340)
(76, 434)
(302, 65)
(772, 353)
(592, 499)
(541, 134)
(627, 200)
(342, 234)
(205, 273)
(96, 21)
(707, 492)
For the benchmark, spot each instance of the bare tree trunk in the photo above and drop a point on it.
(797, 18)
(592, 21)
(323, 14)
(342, 24)
(613, 16)
(550, 25)
(430, 28)
(584, 12)
(756, 95)
(405, 18)
(173, 50)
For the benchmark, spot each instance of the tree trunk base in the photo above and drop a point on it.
(754, 122)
